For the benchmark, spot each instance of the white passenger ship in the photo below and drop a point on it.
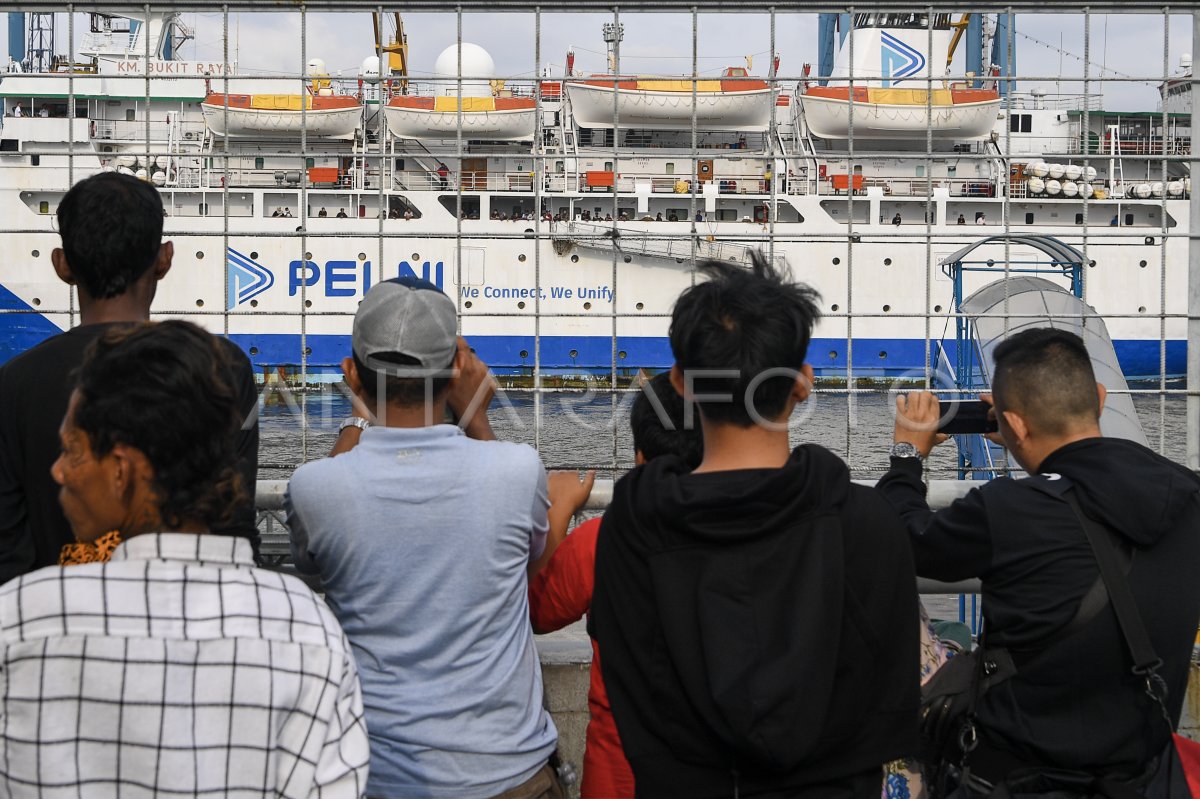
(566, 228)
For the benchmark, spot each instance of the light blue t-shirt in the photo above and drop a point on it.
(422, 537)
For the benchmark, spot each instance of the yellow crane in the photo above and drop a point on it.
(395, 51)
(960, 28)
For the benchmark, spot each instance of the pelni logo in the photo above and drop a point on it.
(247, 279)
(899, 59)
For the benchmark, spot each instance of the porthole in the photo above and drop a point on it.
(467, 304)
(253, 303)
(887, 308)
(833, 355)
(308, 303)
(883, 354)
(307, 351)
(622, 355)
(521, 257)
(524, 353)
(199, 255)
(36, 253)
(1150, 240)
(254, 350)
(837, 261)
(1142, 264)
(574, 259)
(834, 307)
(308, 256)
(937, 309)
(574, 353)
(362, 256)
(640, 306)
(37, 300)
(1141, 309)
(587, 306)
(1091, 263)
(521, 304)
(254, 255)
(199, 303)
(628, 259)
(887, 261)
(416, 257)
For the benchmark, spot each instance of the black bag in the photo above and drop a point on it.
(948, 701)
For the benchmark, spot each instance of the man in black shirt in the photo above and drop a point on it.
(758, 615)
(1074, 703)
(113, 253)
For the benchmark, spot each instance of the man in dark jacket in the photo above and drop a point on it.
(1074, 703)
(113, 254)
(758, 615)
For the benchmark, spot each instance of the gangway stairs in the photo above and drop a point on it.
(645, 244)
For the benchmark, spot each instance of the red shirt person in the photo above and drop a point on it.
(561, 592)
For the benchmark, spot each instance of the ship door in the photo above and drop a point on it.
(474, 174)
(704, 170)
(762, 214)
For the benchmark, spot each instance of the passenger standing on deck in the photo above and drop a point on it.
(422, 533)
(561, 592)
(1073, 703)
(113, 253)
(177, 668)
(758, 615)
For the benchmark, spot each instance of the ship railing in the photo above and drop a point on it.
(135, 130)
(1133, 145)
(124, 42)
(1027, 101)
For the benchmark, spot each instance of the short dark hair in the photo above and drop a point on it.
(654, 435)
(1046, 375)
(403, 391)
(111, 228)
(749, 321)
(166, 389)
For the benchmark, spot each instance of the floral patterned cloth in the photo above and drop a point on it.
(902, 778)
(97, 552)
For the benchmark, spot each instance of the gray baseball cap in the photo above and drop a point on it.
(408, 316)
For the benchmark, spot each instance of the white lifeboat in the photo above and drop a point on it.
(734, 102)
(500, 118)
(282, 115)
(890, 113)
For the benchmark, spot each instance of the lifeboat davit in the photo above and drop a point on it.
(498, 118)
(890, 113)
(282, 115)
(731, 103)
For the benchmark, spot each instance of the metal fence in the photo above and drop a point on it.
(564, 244)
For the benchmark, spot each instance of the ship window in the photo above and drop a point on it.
(129, 115)
(258, 163)
(202, 209)
(920, 170)
(1029, 218)
(35, 160)
(1020, 123)
(399, 165)
(1129, 220)
(43, 207)
(1079, 219)
(310, 162)
(670, 168)
(559, 166)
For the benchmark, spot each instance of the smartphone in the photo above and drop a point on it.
(965, 417)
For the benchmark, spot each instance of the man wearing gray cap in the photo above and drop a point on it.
(421, 533)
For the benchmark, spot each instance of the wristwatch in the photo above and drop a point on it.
(354, 421)
(903, 449)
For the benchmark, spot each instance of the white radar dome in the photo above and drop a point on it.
(369, 70)
(316, 66)
(476, 65)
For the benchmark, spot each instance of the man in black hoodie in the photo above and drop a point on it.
(758, 615)
(1074, 703)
